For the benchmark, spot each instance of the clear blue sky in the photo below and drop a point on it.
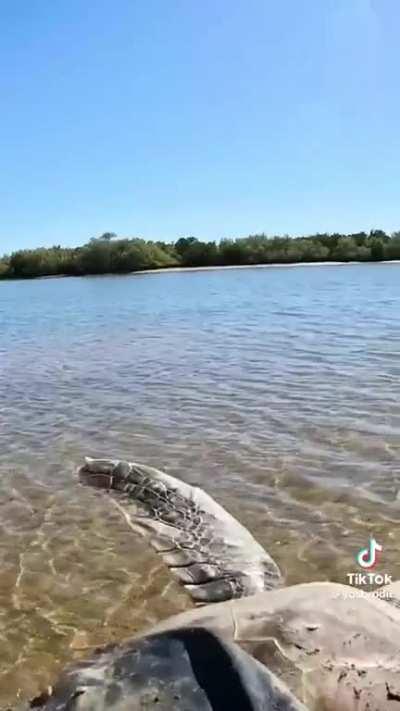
(164, 118)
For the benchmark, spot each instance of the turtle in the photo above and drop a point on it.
(315, 646)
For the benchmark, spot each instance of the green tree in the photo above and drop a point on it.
(183, 244)
(233, 252)
(200, 254)
(392, 248)
(377, 250)
(379, 235)
(346, 250)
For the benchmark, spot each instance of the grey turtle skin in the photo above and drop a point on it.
(188, 669)
(331, 650)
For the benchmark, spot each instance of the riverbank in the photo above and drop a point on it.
(258, 266)
(220, 267)
(109, 255)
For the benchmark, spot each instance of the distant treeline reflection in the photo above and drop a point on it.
(111, 254)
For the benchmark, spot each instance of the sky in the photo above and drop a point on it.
(221, 118)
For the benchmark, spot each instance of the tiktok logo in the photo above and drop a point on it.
(368, 557)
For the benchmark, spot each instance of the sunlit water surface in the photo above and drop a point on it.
(277, 390)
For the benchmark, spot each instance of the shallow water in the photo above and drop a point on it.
(277, 390)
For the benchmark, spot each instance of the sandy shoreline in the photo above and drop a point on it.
(258, 266)
(171, 270)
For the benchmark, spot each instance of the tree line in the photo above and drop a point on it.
(109, 254)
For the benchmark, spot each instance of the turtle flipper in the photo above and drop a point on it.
(207, 549)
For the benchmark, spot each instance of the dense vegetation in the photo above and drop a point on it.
(110, 254)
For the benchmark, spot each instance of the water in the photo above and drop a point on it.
(277, 390)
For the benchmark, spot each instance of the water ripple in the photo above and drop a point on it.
(276, 390)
